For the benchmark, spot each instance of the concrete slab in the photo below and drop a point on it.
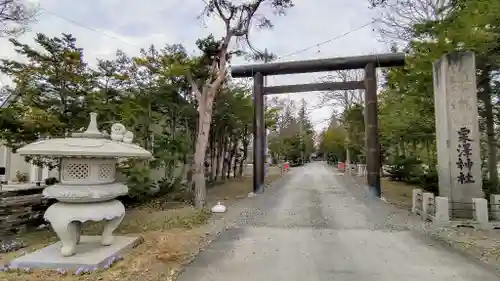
(89, 254)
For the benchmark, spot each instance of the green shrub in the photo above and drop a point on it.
(428, 181)
(332, 159)
(138, 180)
(489, 187)
(404, 168)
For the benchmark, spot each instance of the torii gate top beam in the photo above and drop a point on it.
(318, 65)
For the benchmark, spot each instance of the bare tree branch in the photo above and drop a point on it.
(15, 15)
(346, 98)
(194, 86)
(397, 18)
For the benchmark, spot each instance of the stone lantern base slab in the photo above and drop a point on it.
(89, 254)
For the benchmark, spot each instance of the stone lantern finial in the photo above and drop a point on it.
(92, 130)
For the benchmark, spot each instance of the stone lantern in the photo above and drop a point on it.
(87, 187)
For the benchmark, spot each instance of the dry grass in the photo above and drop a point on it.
(172, 234)
(397, 193)
(169, 236)
(235, 189)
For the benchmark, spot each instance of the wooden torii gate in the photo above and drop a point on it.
(369, 63)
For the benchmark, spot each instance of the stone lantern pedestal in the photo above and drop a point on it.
(66, 220)
(87, 192)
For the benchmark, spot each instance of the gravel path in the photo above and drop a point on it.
(316, 226)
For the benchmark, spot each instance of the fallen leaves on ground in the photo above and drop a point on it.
(483, 244)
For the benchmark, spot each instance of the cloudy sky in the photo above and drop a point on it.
(103, 26)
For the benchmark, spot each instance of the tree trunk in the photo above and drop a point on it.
(205, 100)
(347, 153)
(225, 163)
(229, 160)
(212, 156)
(190, 157)
(245, 154)
(232, 157)
(217, 160)
(242, 164)
(213, 164)
(204, 120)
(485, 80)
(220, 158)
(237, 157)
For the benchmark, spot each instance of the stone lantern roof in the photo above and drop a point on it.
(91, 143)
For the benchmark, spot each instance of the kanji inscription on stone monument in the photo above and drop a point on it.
(464, 162)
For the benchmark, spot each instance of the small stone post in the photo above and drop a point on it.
(361, 170)
(442, 209)
(427, 204)
(35, 173)
(457, 131)
(5, 154)
(480, 210)
(416, 199)
(495, 206)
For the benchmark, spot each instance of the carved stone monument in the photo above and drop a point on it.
(457, 131)
(86, 192)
